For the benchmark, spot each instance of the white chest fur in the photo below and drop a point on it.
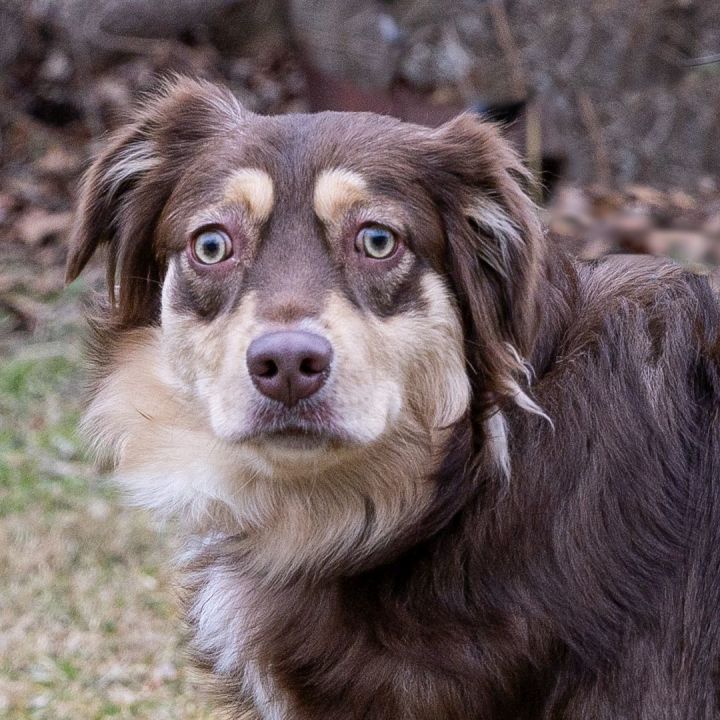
(221, 616)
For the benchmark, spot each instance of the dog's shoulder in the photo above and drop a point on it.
(632, 326)
(632, 278)
(623, 298)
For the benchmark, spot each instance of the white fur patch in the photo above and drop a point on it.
(221, 615)
(524, 401)
(496, 431)
(135, 159)
(502, 232)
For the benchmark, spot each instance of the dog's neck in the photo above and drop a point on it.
(244, 618)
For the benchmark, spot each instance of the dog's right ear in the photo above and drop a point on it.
(123, 193)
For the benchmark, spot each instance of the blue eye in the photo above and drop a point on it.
(211, 247)
(376, 242)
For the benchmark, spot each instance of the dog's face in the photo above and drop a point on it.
(308, 293)
(303, 304)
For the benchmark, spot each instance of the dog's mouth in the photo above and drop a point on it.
(305, 427)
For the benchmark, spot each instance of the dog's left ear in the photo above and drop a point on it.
(495, 244)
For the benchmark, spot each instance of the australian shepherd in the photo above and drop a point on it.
(425, 465)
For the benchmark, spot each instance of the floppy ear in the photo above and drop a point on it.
(123, 193)
(495, 246)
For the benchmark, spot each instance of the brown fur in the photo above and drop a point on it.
(516, 514)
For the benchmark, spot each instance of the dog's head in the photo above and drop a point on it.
(306, 304)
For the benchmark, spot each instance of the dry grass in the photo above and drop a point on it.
(88, 621)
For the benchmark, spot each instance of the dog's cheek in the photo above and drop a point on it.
(428, 347)
(187, 343)
(366, 384)
(443, 377)
(208, 358)
(230, 396)
(404, 371)
(157, 441)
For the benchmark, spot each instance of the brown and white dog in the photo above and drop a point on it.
(427, 466)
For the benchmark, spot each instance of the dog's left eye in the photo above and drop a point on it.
(211, 247)
(376, 242)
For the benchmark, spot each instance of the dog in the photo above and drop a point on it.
(425, 465)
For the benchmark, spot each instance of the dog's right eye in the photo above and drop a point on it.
(211, 247)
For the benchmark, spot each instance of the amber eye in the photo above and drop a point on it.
(211, 247)
(376, 242)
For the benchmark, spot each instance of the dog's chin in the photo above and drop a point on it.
(294, 452)
(296, 446)
(298, 441)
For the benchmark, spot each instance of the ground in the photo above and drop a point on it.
(88, 622)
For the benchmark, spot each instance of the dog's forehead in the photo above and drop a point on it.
(294, 149)
(278, 166)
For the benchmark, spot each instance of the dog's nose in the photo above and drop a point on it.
(289, 365)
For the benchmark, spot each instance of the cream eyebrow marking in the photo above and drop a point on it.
(253, 188)
(337, 190)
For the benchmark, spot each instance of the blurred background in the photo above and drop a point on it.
(615, 106)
